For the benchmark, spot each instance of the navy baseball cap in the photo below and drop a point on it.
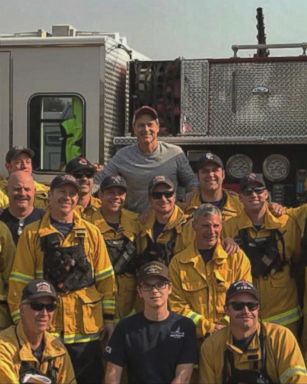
(252, 179)
(79, 164)
(16, 151)
(241, 286)
(113, 181)
(209, 157)
(61, 180)
(38, 288)
(160, 180)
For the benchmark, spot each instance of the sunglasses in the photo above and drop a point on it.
(149, 287)
(250, 190)
(159, 195)
(240, 305)
(79, 175)
(40, 306)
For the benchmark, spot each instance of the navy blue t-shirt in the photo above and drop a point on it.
(17, 225)
(151, 350)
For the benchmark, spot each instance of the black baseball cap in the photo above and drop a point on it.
(113, 181)
(16, 151)
(145, 110)
(79, 164)
(252, 179)
(38, 288)
(241, 286)
(61, 180)
(209, 157)
(153, 268)
(160, 180)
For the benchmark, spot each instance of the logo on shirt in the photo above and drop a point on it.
(108, 349)
(177, 334)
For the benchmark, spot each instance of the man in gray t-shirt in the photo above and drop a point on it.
(139, 163)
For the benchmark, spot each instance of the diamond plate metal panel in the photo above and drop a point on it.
(258, 99)
(194, 96)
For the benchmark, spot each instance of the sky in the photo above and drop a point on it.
(166, 29)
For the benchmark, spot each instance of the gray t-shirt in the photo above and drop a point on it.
(139, 168)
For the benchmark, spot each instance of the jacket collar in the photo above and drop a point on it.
(176, 219)
(270, 221)
(254, 348)
(219, 255)
(52, 347)
(46, 228)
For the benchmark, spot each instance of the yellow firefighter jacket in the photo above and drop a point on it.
(278, 291)
(199, 288)
(15, 349)
(41, 193)
(300, 215)
(126, 282)
(87, 212)
(7, 253)
(80, 314)
(177, 232)
(4, 200)
(231, 208)
(284, 362)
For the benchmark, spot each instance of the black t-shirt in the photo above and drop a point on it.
(207, 254)
(158, 228)
(17, 225)
(219, 203)
(243, 343)
(115, 226)
(151, 350)
(38, 352)
(63, 228)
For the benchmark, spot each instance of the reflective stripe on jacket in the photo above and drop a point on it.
(278, 291)
(79, 315)
(15, 348)
(284, 361)
(126, 283)
(199, 288)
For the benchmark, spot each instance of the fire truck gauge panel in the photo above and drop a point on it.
(238, 166)
(276, 168)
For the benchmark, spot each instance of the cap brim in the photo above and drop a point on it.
(77, 186)
(114, 186)
(80, 169)
(145, 277)
(204, 162)
(40, 295)
(161, 183)
(255, 295)
(252, 183)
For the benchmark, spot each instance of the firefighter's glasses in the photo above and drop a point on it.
(158, 195)
(160, 285)
(40, 306)
(240, 305)
(248, 191)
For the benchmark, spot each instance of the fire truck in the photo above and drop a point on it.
(67, 92)
(251, 111)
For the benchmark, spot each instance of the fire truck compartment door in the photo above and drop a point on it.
(258, 99)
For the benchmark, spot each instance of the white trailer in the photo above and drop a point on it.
(62, 94)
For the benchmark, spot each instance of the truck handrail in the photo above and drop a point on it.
(236, 47)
